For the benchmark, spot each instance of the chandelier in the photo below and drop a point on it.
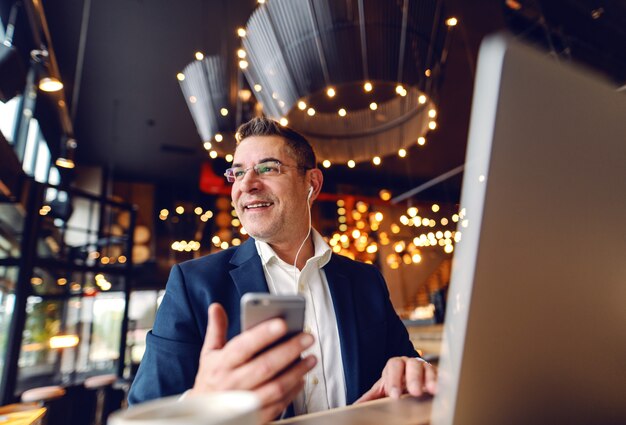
(359, 79)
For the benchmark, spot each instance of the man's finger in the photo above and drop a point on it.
(415, 376)
(215, 337)
(431, 379)
(265, 366)
(248, 343)
(280, 388)
(393, 376)
(271, 411)
(373, 393)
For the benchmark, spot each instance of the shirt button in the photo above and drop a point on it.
(301, 287)
(315, 380)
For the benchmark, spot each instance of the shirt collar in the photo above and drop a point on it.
(321, 254)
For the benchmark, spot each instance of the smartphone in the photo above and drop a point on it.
(259, 307)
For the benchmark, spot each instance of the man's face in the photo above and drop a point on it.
(271, 208)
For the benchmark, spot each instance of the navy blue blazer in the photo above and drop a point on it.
(370, 332)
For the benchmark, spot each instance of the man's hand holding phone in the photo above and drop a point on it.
(275, 375)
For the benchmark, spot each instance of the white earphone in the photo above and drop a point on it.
(310, 193)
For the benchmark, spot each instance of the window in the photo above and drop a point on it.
(8, 117)
(42, 163)
(30, 153)
(54, 178)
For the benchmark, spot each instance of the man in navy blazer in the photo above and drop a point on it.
(196, 344)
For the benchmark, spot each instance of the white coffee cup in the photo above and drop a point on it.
(220, 408)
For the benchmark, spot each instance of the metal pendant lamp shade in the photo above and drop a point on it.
(298, 49)
(204, 85)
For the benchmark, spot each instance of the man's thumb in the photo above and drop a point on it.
(215, 337)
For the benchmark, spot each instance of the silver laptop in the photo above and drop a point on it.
(535, 331)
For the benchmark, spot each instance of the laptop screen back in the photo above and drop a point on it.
(535, 330)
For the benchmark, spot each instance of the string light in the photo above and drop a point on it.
(451, 22)
(376, 160)
(421, 99)
(257, 88)
(241, 32)
(330, 92)
(243, 64)
(351, 163)
(301, 105)
(373, 106)
(367, 86)
(207, 145)
(421, 141)
(283, 121)
(432, 113)
(326, 163)
(228, 158)
(213, 154)
(180, 76)
(310, 112)
(432, 125)
(342, 112)
(241, 54)
(402, 153)
(218, 136)
(199, 56)
(224, 112)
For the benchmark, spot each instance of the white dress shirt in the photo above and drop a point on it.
(325, 386)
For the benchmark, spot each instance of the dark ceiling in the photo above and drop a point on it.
(132, 119)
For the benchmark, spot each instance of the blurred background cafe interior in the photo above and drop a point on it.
(117, 122)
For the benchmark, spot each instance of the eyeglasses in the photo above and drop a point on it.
(262, 169)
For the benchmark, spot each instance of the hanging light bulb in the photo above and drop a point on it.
(50, 84)
(451, 22)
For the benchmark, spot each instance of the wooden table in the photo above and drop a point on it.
(21, 414)
(386, 411)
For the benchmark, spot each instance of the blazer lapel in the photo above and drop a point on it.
(248, 276)
(343, 301)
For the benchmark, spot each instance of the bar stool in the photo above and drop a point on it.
(100, 384)
(45, 397)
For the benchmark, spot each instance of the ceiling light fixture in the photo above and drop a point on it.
(294, 50)
(50, 84)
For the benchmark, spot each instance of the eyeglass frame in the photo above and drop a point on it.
(229, 173)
